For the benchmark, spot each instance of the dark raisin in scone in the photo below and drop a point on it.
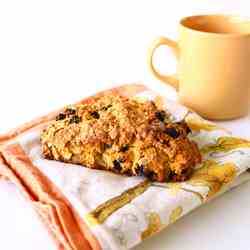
(122, 135)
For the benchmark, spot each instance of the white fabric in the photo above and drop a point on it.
(86, 188)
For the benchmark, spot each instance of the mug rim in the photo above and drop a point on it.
(201, 32)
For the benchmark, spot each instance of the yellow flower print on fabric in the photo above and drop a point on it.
(225, 144)
(174, 187)
(197, 124)
(214, 176)
(154, 225)
(154, 222)
(175, 214)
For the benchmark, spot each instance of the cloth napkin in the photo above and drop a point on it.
(96, 210)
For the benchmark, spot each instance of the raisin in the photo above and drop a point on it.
(167, 174)
(124, 148)
(139, 170)
(70, 111)
(107, 107)
(95, 114)
(160, 115)
(107, 146)
(171, 176)
(188, 129)
(128, 172)
(75, 119)
(185, 126)
(117, 166)
(172, 132)
(185, 174)
(151, 175)
(61, 116)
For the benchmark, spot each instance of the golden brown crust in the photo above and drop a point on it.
(123, 135)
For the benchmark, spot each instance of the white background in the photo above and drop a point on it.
(56, 52)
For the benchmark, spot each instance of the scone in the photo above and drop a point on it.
(122, 135)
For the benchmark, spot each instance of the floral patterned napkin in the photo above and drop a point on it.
(123, 211)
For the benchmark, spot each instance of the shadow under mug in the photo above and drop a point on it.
(213, 53)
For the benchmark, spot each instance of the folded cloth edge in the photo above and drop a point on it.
(63, 223)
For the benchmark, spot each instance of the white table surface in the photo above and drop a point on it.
(56, 52)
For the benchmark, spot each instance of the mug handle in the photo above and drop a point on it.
(170, 79)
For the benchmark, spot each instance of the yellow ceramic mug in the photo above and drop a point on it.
(213, 55)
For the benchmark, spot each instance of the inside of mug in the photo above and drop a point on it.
(221, 24)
